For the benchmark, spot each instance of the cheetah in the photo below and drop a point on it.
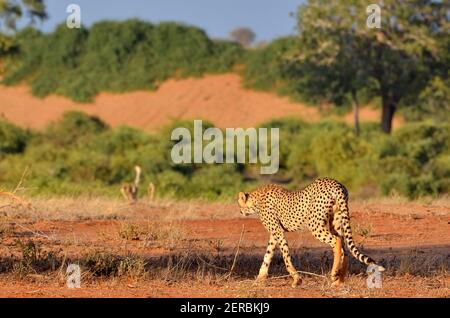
(322, 207)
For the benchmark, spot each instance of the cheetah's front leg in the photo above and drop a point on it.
(282, 243)
(264, 270)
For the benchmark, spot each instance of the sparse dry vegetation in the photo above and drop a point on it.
(167, 236)
(33, 259)
(151, 249)
(106, 264)
(129, 232)
(106, 208)
(362, 229)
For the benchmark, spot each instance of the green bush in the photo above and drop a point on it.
(290, 129)
(216, 182)
(331, 149)
(414, 160)
(422, 142)
(172, 184)
(115, 56)
(267, 69)
(12, 139)
(80, 154)
(433, 102)
(72, 128)
(119, 140)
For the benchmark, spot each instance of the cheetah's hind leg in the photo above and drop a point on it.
(327, 234)
(340, 261)
(340, 264)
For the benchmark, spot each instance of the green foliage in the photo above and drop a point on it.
(12, 10)
(290, 130)
(218, 181)
(414, 161)
(341, 63)
(421, 142)
(433, 102)
(331, 149)
(12, 138)
(266, 68)
(6, 45)
(73, 127)
(116, 57)
(23, 48)
(339, 55)
(337, 59)
(80, 154)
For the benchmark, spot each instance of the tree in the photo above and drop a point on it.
(10, 12)
(338, 82)
(244, 36)
(394, 62)
(13, 10)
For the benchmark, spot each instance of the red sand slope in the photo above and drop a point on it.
(220, 99)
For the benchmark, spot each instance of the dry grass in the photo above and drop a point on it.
(191, 266)
(104, 208)
(364, 230)
(442, 200)
(5, 227)
(156, 234)
(33, 256)
(168, 236)
(129, 232)
(34, 259)
(102, 263)
(149, 242)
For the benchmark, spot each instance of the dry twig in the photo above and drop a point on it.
(228, 276)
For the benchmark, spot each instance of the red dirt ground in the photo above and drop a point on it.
(411, 240)
(221, 99)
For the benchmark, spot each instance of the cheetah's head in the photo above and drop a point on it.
(247, 203)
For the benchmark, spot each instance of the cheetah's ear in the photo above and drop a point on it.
(242, 198)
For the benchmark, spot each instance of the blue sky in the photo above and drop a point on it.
(267, 18)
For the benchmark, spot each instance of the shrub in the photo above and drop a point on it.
(115, 56)
(129, 232)
(216, 182)
(331, 149)
(80, 154)
(72, 127)
(171, 183)
(290, 129)
(414, 161)
(100, 263)
(432, 102)
(266, 67)
(12, 139)
(422, 142)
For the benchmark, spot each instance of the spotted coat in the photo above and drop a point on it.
(322, 207)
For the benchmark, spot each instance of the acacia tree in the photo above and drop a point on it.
(394, 62)
(13, 10)
(244, 36)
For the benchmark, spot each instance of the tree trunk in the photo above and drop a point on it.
(389, 108)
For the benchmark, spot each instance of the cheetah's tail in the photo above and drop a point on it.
(347, 234)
